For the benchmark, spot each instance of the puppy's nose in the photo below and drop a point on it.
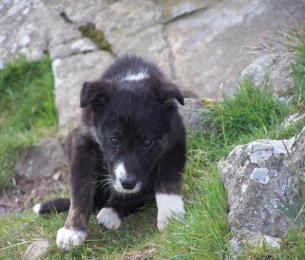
(128, 183)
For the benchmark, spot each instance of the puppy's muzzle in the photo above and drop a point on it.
(124, 182)
(128, 183)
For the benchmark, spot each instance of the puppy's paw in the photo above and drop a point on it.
(109, 218)
(169, 206)
(67, 238)
(37, 208)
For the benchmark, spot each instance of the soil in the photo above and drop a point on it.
(29, 191)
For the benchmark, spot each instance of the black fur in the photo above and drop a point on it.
(130, 121)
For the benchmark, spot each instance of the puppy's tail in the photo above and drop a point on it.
(58, 205)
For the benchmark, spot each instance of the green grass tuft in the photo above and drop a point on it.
(298, 72)
(27, 108)
(251, 109)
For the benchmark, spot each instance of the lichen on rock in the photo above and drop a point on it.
(263, 189)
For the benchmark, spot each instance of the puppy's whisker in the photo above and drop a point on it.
(104, 183)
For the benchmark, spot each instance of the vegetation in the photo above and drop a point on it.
(250, 114)
(27, 109)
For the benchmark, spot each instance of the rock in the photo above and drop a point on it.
(293, 119)
(126, 19)
(197, 43)
(297, 159)
(193, 113)
(20, 33)
(36, 250)
(174, 9)
(252, 239)
(134, 27)
(274, 70)
(151, 45)
(263, 189)
(280, 76)
(258, 71)
(207, 46)
(41, 161)
(260, 175)
(77, 46)
(69, 74)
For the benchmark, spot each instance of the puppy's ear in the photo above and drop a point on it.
(167, 91)
(170, 91)
(95, 93)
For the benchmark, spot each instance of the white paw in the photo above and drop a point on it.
(37, 208)
(67, 238)
(109, 218)
(169, 206)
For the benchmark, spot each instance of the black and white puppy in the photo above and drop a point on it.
(128, 149)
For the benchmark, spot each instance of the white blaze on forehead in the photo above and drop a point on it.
(136, 76)
(169, 206)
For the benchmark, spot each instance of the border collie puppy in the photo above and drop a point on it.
(128, 149)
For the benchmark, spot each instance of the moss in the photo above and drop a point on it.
(89, 30)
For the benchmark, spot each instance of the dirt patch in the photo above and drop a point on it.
(29, 191)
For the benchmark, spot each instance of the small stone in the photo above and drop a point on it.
(260, 175)
(57, 176)
(258, 70)
(293, 119)
(36, 250)
(244, 188)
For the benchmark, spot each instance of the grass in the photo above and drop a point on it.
(249, 115)
(251, 110)
(298, 71)
(204, 233)
(27, 110)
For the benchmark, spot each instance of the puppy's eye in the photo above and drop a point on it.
(114, 141)
(147, 143)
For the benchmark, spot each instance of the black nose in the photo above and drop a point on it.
(128, 183)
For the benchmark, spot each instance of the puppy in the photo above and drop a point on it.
(128, 149)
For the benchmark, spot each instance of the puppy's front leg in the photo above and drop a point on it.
(81, 194)
(169, 187)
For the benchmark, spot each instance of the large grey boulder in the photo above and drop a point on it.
(174, 9)
(208, 46)
(20, 35)
(70, 73)
(134, 27)
(197, 43)
(263, 189)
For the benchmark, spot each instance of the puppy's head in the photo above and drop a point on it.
(131, 122)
